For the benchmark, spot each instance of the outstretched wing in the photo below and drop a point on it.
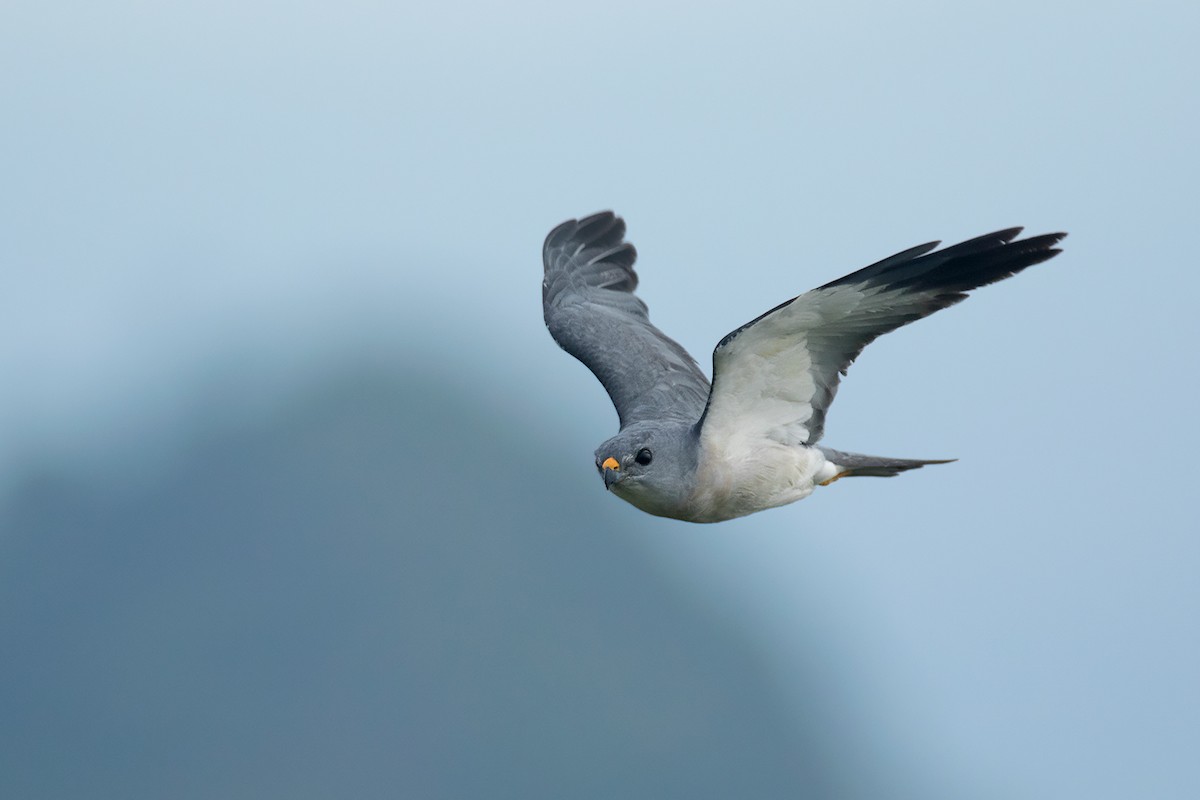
(775, 377)
(591, 311)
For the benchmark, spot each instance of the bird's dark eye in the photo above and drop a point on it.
(644, 457)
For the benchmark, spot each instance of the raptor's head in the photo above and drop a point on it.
(652, 466)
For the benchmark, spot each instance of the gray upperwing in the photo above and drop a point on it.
(591, 311)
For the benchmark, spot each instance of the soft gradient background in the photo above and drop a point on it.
(297, 495)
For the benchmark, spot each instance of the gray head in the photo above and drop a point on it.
(651, 465)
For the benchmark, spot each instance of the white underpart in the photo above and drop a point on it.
(739, 477)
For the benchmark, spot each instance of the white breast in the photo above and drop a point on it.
(738, 477)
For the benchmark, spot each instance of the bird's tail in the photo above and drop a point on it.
(851, 465)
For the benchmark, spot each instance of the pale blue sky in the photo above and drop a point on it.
(199, 192)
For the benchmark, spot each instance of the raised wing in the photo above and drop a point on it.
(776, 376)
(591, 311)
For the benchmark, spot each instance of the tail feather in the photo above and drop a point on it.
(853, 465)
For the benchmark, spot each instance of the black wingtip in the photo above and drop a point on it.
(604, 224)
(595, 230)
(960, 267)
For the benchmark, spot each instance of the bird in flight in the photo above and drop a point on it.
(747, 442)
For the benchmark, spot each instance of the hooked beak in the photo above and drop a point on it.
(612, 472)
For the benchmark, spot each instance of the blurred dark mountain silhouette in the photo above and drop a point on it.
(381, 591)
